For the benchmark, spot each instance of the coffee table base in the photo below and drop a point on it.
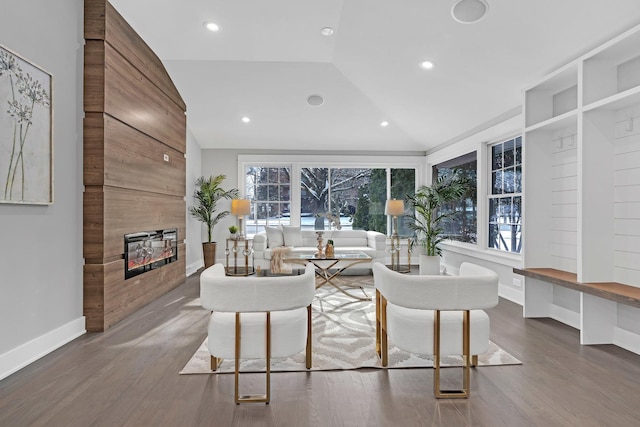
(322, 271)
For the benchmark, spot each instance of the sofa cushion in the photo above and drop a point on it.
(292, 235)
(275, 236)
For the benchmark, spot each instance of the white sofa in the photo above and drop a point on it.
(372, 243)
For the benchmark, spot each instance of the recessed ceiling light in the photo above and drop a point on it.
(384, 124)
(326, 31)
(211, 26)
(427, 65)
(245, 119)
(315, 100)
(469, 11)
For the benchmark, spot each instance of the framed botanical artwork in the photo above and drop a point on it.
(26, 131)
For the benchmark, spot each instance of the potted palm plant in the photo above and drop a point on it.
(428, 215)
(207, 194)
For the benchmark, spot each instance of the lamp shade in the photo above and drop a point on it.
(394, 207)
(240, 207)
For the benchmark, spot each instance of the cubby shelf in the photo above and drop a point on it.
(620, 101)
(581, 206)
(562, 121)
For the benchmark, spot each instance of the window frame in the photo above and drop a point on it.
(489, 196)
(297, 162)
(451, 164)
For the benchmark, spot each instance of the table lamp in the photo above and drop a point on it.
(240, 208)
(394, 208)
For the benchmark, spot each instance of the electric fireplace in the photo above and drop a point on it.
(148, 250)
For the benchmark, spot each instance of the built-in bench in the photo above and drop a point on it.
(593, 310)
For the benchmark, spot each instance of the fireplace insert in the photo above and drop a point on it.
(148, 250)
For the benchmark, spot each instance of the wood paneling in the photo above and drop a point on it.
(133, 160)
(128, 212)
(110, 213)
(103, 22)
(134, 117)
(93, 224)
(131, 97)
(94, 74)
(108, 298)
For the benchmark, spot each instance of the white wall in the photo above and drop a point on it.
(216, 162)
(41, 251)
(193, 238)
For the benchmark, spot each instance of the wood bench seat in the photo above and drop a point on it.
(625, 294)
(595, 309)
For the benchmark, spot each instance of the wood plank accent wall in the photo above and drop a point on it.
(564, 203)
(626, 191)
(134, 117)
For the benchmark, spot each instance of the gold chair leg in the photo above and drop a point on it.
(474, 360)
(451, 394)
(215, 363)
(309, 338)
(260, 398)
(378, 323)
(384, 344)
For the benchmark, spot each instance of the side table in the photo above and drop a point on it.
(396, 248)
(243, 249)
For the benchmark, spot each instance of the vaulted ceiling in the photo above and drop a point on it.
(269, 56)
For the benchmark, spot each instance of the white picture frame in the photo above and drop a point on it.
(26, 131)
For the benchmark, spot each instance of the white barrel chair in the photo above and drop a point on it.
(257, 318)
(435, 315)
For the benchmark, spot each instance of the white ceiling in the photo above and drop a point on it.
(269, 56)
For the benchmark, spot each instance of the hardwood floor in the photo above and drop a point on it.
(128, 376)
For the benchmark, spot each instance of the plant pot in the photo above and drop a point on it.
(209, 250)
(429, 265)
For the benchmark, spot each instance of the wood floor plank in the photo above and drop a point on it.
(128, 376)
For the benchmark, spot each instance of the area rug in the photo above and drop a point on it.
(343, 338)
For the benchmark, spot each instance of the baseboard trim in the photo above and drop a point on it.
(194, 266)
(566, 316)
(27, 353)
(511, 294)
(626, 339)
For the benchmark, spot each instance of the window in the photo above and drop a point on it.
(354, 197)
(269, 189)
(330, 195)
(324, 197)
(505, 200)
(462, 225)
(402, 185)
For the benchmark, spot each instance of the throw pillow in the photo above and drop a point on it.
(275, 237)
(292, 235)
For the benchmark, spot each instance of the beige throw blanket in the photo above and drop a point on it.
(278, 265)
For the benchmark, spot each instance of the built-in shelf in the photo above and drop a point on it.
(618, 292)
(619, 101)
(562, 121)
(613, 68)
(553, 97)
(581, 197)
